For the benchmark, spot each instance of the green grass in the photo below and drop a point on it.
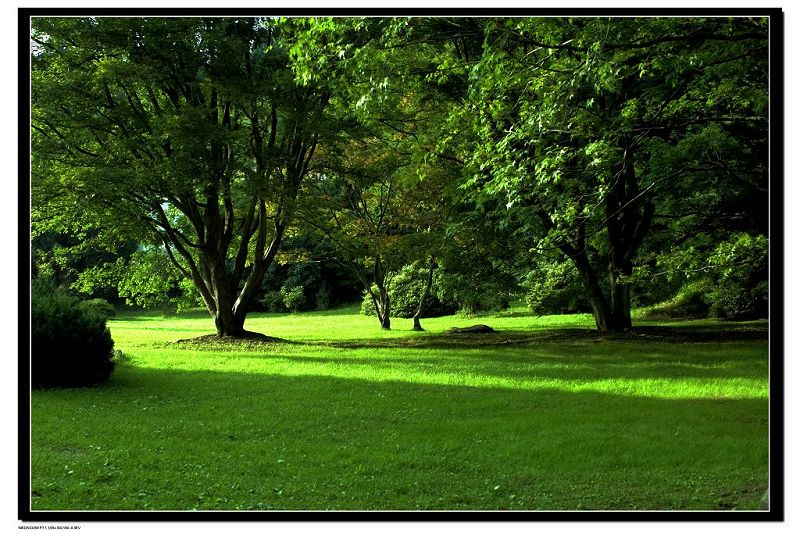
(544, 414)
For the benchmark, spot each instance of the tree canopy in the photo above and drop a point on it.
(190, 132)
(606, 153)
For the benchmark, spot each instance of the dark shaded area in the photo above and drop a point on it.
(661, 334)
(356, 444)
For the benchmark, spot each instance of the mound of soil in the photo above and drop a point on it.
(478, 328)
(246, 338)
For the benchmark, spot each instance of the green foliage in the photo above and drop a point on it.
(473, 293)
(272, 301)
(405, 289)
(147, 279)
(589, 131)
(367, 304)
(294, 298)
(553, 288)
(633, 147)
(75, 255)
(738, 301)
(742, 290)
(187, 133)
(98, 306)
(70, 344)
(693, 300)
(730, 282)
(482, 280)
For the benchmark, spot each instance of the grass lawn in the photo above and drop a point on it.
(543, 414)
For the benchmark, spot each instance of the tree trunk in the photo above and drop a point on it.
(228, 325)
(383, 307)
(594, 294)
(620, 296)
(425, 293)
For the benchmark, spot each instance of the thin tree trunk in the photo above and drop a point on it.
(383, 307)
(594, 294)
(425, 294)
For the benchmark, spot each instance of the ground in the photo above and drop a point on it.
(542, 414)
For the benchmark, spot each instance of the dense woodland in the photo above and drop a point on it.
(420, 165)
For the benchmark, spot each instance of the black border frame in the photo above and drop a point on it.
(776, 279)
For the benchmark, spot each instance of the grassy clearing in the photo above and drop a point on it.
(348, 416)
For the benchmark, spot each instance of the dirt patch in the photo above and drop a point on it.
(248, 338)
(478, 328)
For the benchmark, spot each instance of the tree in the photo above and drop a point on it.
(387, 170)
(587, 127)
(188, 132)
(357, 210)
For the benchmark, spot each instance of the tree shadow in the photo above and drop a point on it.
(564, 364)
(185, 439)
(502, 338)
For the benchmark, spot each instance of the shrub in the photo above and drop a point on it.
(70, 346)
(272, 302)
(555, 287)
(742, 290)
(486, 289)
(735, 301)
(99, 307)
(368, 306)
(294, 298)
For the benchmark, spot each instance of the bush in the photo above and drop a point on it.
(294, 298)
(70, 345)
(742, 290)
(476, 288)
(405, 289)
(272, 302)
(734, 301)
(554, 288)
(99, 307)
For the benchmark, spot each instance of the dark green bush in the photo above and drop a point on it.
(272, 302)
(70, 346)
(98, 306)
(482, 288)
(737, 301)
(742, 290)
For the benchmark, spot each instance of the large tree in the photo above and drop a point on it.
(189, 132)
(592, 130)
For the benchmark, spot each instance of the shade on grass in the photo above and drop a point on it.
(412, 424)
